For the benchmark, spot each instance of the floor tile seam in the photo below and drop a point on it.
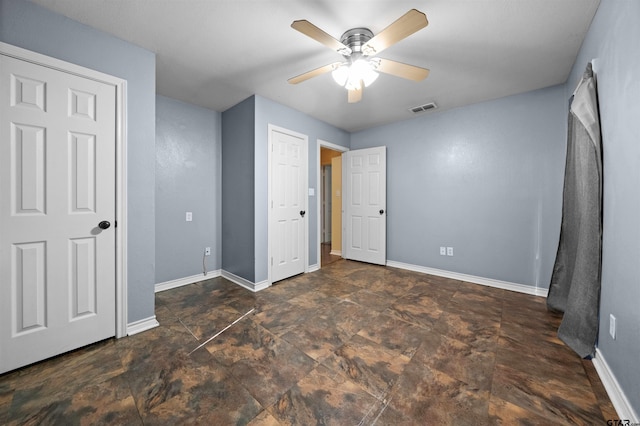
(127, 380)
(74, 388)
(545, 407)
(571, 387)
(395, 351)
(431, 365)
(358, 384)
(560, 349)
(279, 395)
(535, 414)
(596, 392)
(429, 327)
(473, 348)
(533, 361)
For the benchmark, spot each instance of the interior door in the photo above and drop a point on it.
(365, 183)
(57, 184)
(288, 203)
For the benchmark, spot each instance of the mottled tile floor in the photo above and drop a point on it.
(351, 344)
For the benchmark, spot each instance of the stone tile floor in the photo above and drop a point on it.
(351, 344)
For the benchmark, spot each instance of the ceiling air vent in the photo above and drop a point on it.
(422, 108)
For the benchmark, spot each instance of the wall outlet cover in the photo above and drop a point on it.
(449, 251)
(443, 251)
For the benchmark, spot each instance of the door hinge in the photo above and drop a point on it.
(115, 222)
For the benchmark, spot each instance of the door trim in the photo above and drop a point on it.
(323, 144)
(305, 184)
(120, 86)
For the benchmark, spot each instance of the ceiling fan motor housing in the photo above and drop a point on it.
(355, 38)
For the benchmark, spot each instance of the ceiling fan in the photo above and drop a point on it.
(359, 46)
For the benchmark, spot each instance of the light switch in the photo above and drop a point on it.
(312, 192)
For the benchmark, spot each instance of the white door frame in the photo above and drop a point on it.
(121, 163)
(305, 184)
(323, 144)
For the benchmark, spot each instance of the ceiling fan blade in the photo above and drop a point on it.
(410, 72)
(310, 30)
(355, 95)
(403, 27)
(313, 73)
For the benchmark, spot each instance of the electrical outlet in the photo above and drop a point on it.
(189, 216)
(207, 251)
(443, 251)
(449, 251)
(612, 326)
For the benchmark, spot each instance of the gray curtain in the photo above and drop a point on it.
(575, 283)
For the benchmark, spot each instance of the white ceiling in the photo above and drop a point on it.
(216, 53)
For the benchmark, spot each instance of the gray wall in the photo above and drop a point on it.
(32, 27)
(238, 141)
(270, 112)
(485, 179)
(188, 178)
(613, 41)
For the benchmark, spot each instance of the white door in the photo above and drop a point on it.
(365, 183)
(57, 183)
(288, 203)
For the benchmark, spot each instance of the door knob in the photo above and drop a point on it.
(104, 224)
(302, 213)
(381, 211)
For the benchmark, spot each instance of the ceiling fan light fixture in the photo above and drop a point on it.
(363, 70)
(350, 76)
(341, 74)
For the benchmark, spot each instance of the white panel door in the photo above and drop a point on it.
(365, 183)
(57, 183)
(288, 203)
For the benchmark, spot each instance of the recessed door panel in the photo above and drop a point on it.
(28, 146)
(82, 172)
(27, 92)
(82, 104)
(82, 273)
(29, 286)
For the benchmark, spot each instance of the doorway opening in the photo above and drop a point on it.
(330, 202)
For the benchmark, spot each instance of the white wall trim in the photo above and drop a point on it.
(336, 252)
(243, 282)
(313, 268)
(616, 394)
(322, 143)
(489, 282)
(142, 325)
(120, 86)
(179, 282)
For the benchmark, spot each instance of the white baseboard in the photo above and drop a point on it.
(142, 325)
(168, 285)
(520, 288)
(244, 282)
(336, 252)
(313, 268)
(616, 394)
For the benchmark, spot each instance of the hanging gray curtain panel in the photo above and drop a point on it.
(575, 282)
